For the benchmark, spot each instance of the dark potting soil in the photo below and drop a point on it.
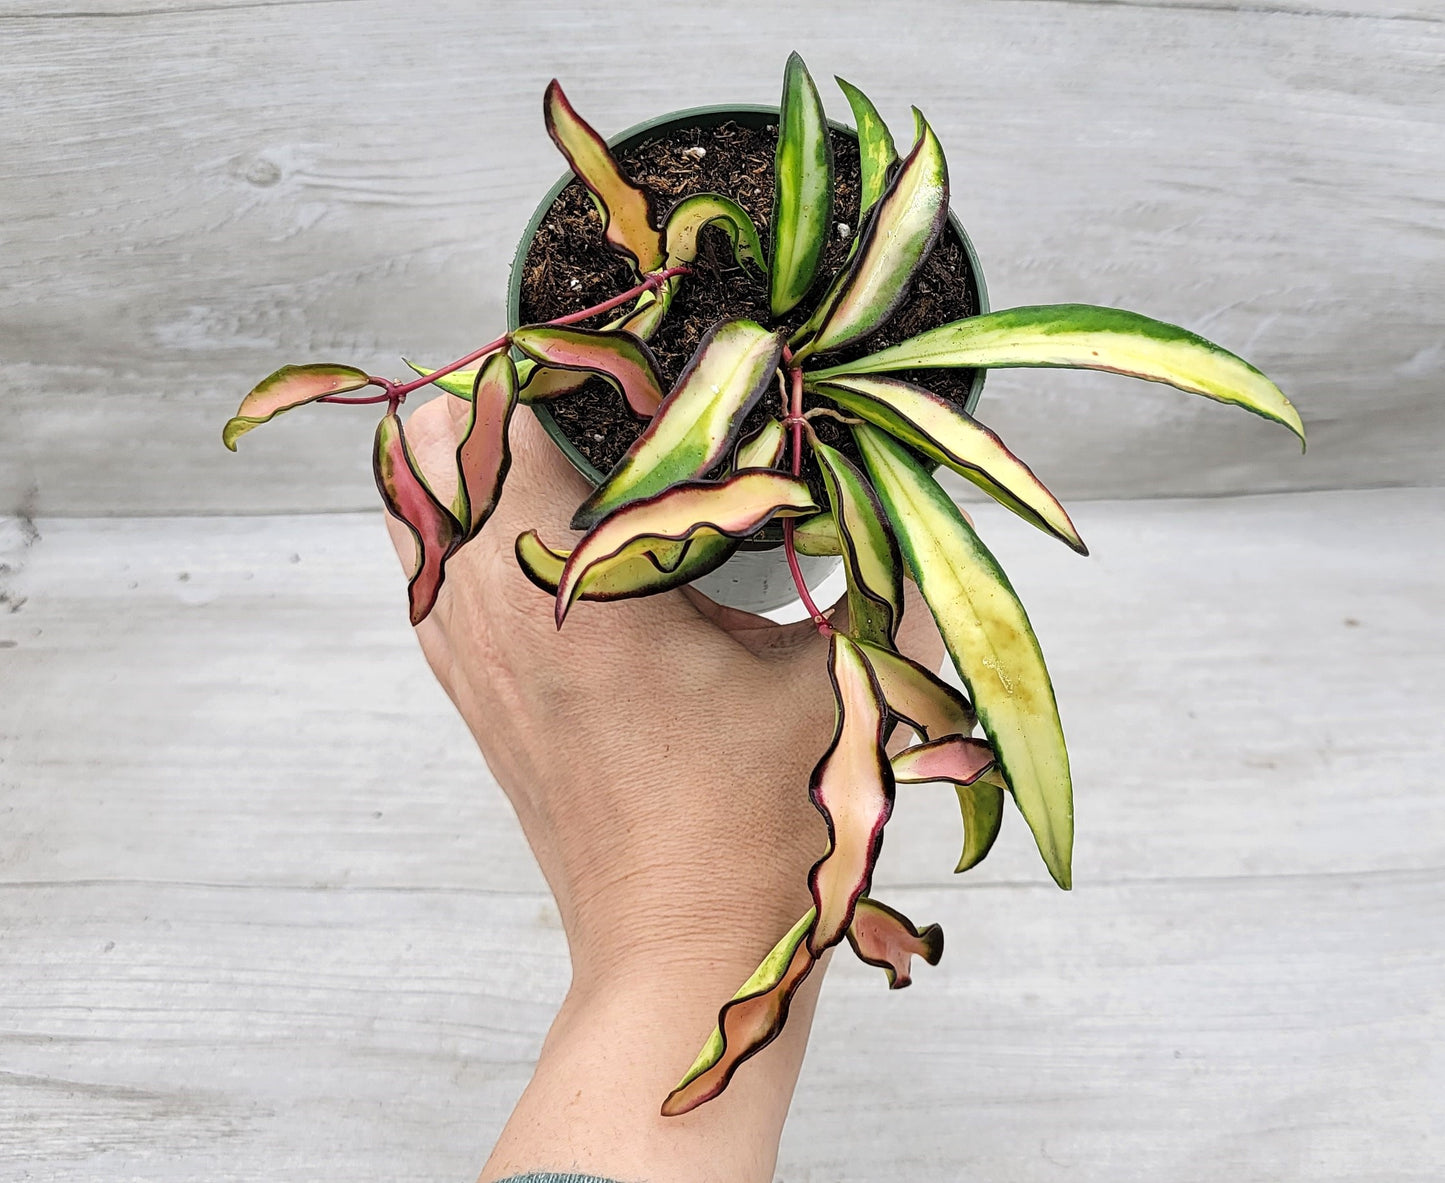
(570, 266)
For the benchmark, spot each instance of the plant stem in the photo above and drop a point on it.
(796, 422)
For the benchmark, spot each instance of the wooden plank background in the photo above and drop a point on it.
(193, 193)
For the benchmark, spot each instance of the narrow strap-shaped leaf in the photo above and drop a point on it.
(698, 422)
(870, 555)
(763, 450)
(802, 189)
(888, 939)
(626, 218)
(954, 758)
(734, 507)
(615, 354)
(988, 635)
(639, 570)
(981, 805)
(408, 498)
(944, 432)
(748, 1023)
(876, 150)
(483, 456)
(1083, 336)
(817, 535)
(852, 787)
(920, 698)
(287, 388)
(687, 218)
(895, 242)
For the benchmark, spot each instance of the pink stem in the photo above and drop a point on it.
(796, 422)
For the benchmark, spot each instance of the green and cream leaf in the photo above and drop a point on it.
(876, 150)
(802, 189)
(687, 218)
(870, 555)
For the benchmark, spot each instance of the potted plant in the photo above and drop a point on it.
(790, 388)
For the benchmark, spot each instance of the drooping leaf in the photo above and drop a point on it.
(968, 765)
(615, 354)
(687, 218)
(734, 507)
(626, 218)
(897, 239)
(870, 555)
(802, 189)
(483, 456)
(1082, 336)
(763, 450)
(944, 432)
(748, 1023)
(876, 150)
(988, 635)
(929, 706)
(886, 938)
(638, 570)
(852, 787)
(817, 535)
(698, 422)
(410, 500)
(287, 388)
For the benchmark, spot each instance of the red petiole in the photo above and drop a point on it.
(796, 423)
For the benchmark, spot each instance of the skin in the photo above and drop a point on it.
(657, 754)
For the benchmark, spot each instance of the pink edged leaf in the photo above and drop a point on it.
(615, 354)
(852, 787)
(698, 423)
(734, 508)
(763, 450)
(289, 387)
(871, 560)
(917, 696)
(626, 218)
(948, 435)
(643, 569)
(483, 456)
(968, 765)
(410, 501)
(746, 1024)
(885, 938)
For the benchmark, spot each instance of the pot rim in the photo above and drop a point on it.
(703, 116)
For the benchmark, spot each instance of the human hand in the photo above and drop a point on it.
(657, 753)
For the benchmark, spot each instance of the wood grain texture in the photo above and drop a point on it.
(197, 192)
(263, 915)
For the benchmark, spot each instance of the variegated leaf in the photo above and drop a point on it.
(929, 706)
(764, 450)
(870, 555)
(944, 432)
(643, 569)
(410, 500)
(876, 150)
(817, 536)
(802, 189)
(614, 354)
(698, 423)
(1082, 336)
(852, 787)
(734, 507)
(687, 218)
(748, 1023)
(988, 635)
(287, 388)
(885, 938)
(483, 456)
(968, 765)
(626, 217)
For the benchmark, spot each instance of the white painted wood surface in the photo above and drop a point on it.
(193, 193)
(263, 915)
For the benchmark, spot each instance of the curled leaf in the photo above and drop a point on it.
(852, 787)
(626, 218)
(802, 189)
(615, 354)
(642, 569)
(734, 507)
(765, 449)
(410, 500)
(969, 766)
(876, 151)
(1083, 336)
(287, 388)
(750, 1021)
(917, 696)
(698, 422)
(687, 218)
(483, 456)
(885, 938)
(944, 432)
(870, 555)
(988, 635)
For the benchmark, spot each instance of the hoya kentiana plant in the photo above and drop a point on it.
(691, 489)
